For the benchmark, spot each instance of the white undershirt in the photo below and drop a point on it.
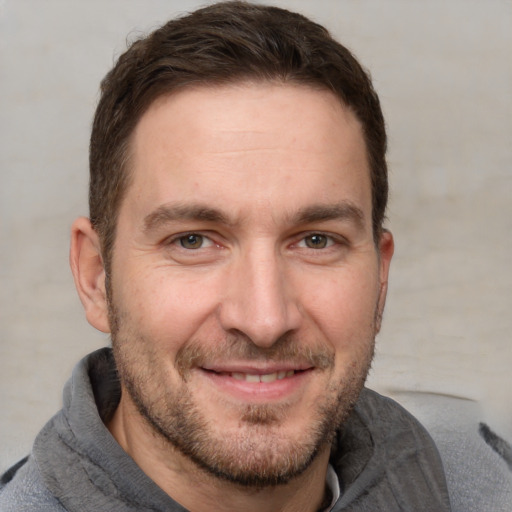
(331, 479)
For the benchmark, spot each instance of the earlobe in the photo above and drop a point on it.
(88, 272)
(386, 250)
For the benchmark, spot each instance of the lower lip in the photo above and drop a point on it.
(258, 392)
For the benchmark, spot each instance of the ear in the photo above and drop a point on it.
(386, 250)
(88, 272)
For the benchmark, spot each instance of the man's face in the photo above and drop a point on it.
(246, 285)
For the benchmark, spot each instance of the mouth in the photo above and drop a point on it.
(258, 384)
(258, 377)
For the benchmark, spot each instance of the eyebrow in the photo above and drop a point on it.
(339, 211)
(197, 212)
(169, 213)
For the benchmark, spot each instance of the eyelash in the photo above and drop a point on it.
(331, 240)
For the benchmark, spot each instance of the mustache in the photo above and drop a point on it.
(239, 347)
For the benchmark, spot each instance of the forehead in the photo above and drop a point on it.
(246, 144)
(256, 108)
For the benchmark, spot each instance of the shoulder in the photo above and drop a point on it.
(22, 490)
(386, 460)
(387, 418)
(399, 439)
(477, 467)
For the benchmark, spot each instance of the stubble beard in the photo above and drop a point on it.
(258, 454)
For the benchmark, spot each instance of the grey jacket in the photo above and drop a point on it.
(385, 460)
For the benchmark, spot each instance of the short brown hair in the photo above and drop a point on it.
(223, 43)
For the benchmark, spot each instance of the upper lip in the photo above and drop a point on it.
(255, 369)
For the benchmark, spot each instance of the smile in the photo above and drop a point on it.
(258, 385)
(267, 377)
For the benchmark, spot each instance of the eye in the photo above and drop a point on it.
(193, 241)
(317, 241)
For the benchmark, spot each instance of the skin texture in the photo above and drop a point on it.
(244, 246)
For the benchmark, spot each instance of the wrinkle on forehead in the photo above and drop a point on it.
(214, 123)
(261, 148)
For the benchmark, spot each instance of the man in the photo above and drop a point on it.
(236, 253)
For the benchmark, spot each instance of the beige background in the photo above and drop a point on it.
(444, 73)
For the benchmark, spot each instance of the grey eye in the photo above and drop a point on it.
(191, 241)
(316, 241)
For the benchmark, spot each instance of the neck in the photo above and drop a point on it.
(197, 490)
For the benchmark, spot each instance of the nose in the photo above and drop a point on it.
(259, 299)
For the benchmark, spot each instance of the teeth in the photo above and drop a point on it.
(268, 377)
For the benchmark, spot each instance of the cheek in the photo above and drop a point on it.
(343, 308)
(165, 306)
